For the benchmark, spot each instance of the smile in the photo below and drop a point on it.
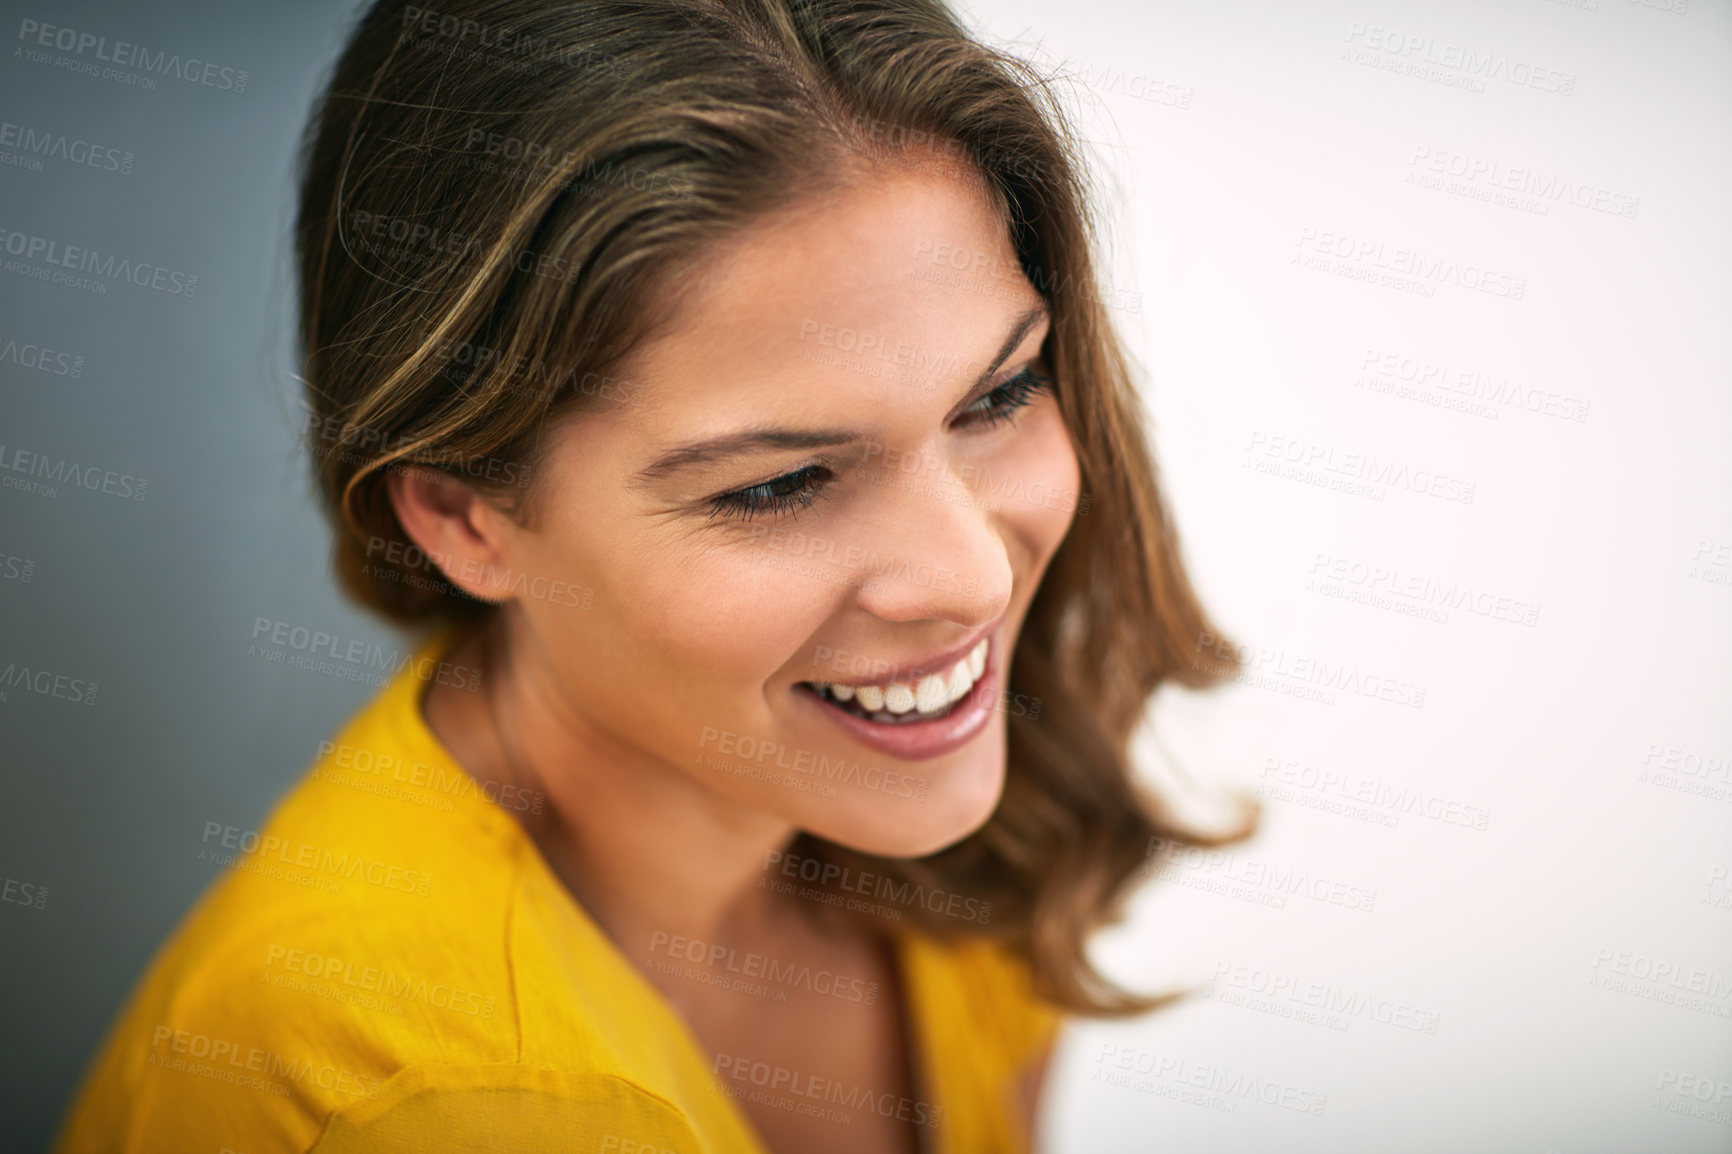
(907, 702)
(918, 716)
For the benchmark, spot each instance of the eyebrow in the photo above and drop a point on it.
(772, 437)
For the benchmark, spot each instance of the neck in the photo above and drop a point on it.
(642, 847)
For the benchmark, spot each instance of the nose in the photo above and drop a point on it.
(934, 550)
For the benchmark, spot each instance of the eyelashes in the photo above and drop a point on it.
(1010, 396)
(794, 491)
(783, 495)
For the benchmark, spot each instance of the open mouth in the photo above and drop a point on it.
(877, 716)
(903, 702)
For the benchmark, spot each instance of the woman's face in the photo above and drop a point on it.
(817, 473)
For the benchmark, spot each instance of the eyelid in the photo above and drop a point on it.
(1030, 368)
(835, 460)
(1010, 373)
(827, 459)
(740, 504)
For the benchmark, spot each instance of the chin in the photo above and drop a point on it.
(958, 802)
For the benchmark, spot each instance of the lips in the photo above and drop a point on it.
(903, 701)
(882, 673)
(913, 736)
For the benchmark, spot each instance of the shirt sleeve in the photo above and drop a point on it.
(508, 1109)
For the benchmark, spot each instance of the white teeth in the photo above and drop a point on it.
(934, 692)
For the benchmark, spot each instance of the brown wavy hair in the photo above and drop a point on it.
(495, 197)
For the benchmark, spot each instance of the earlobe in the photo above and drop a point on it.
(456, 530)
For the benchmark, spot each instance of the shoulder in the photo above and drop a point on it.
(363, 912)
(336, 952)
(360, 932)
(375, 903)
(508, 1109)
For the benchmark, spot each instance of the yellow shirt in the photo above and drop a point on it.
(389, 965)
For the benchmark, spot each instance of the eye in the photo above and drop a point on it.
(1001, 403)
(794, 491)
(787, 493)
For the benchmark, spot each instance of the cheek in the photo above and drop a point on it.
(741, 606)
(1041, 479)
(707, 613)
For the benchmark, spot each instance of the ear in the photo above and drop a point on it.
(461, 533)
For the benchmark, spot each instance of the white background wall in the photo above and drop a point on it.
(1488, 698)
(1568, 965)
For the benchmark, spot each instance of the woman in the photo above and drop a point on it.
(723, 382)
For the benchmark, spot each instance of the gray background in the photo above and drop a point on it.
(1223, 132)
(153, 600)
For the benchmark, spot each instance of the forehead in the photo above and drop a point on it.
(914, 267)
